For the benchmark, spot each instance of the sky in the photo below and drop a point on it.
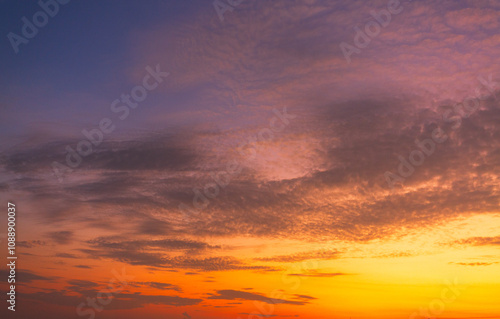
(251, 158)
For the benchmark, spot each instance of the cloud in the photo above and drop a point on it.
(83, 266)
(136, 257)
(472, 19)
(120, 300)
(61, 237)
(243, 295)
(266, 316)
(396, 254)
(480, 241)
(30, 243)
(320, 179)
(474, 263)
(155, 153)
(145, 252)
(343, 193)
(82, 283)
(318, 274)
(320, 255)
(257, 315)
(214, 264)
(130, 257)
(159, 285)
(25, 276)
(168, 244)
(65, 255)
(305, 297)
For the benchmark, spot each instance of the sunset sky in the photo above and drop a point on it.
(252, 159)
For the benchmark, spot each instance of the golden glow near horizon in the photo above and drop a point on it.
(434, 271)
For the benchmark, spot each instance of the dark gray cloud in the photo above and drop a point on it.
(30, 243)
(170, 244)
(153, 226)
(120, 300)
(145, 156)
(111, 184)
(243, 295)
(306, 297)
(130, 257)
(24, 276)
(82, 283)
(133, 255)
(370, 134)
(215, 264)
(153, 153)
(61, 237)
(267, 316)
(158, 285)
(25, 159)
(360, 140)
(65, 255)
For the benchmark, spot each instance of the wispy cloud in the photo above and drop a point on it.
(243, 295)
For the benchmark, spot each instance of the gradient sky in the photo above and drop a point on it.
(307, 226)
